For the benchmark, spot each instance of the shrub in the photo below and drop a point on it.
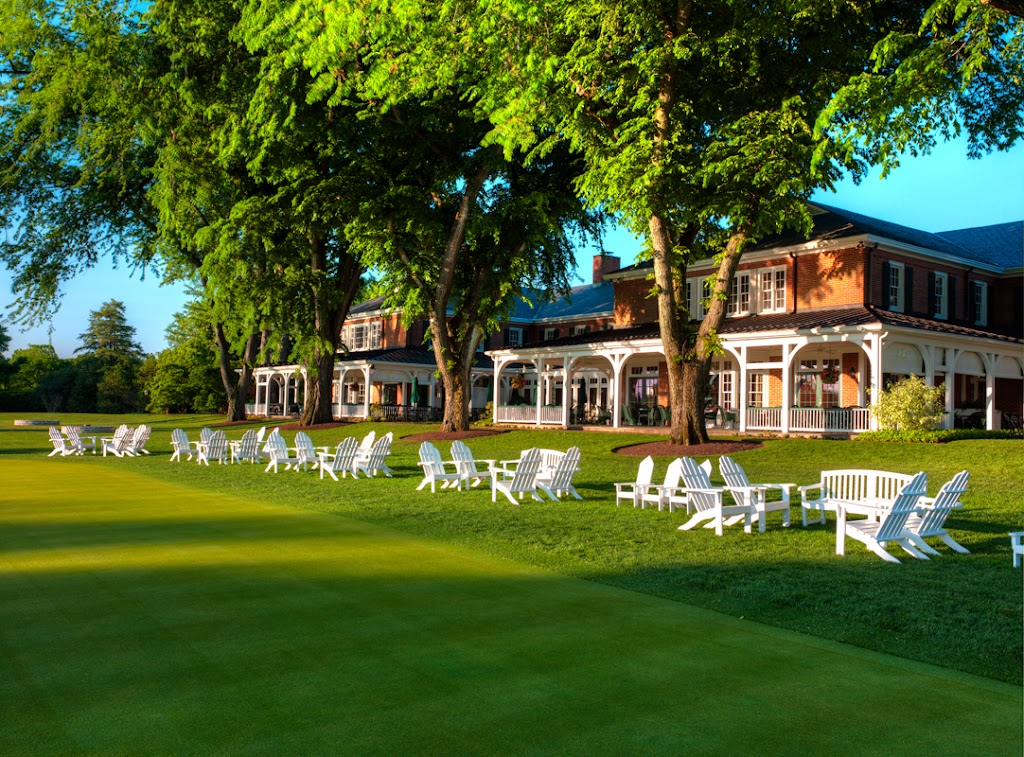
(934, 437)
(910, 405)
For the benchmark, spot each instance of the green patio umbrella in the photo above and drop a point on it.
(414, 395)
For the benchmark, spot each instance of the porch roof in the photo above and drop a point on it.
(858, 315)
(420, 356)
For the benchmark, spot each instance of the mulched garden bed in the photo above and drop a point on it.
(450, 436)
(664, 449)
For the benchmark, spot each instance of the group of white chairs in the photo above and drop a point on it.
(126, 441)
(368, 457)
(550, 471)
(904, 516)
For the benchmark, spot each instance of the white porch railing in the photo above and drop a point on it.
(764, 418)
(349, 411)
(829, 419)
(550, 414)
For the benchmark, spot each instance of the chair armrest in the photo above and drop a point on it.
(804, 490)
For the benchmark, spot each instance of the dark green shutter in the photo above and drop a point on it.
(886, 276)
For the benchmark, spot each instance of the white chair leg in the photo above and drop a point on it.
(954, 544)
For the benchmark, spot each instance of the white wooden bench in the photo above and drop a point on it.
(872, 488)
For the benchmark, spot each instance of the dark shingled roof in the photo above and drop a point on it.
(1002, 243)
(585, 300)
(858, 315)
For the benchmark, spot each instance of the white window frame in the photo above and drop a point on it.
(979, 303)
(515, 337)
(897, 281)
(375, 332)
(550, 333)
(771, 286)
(755, 389)
(738, 303)
(579, 329)
(940, 296)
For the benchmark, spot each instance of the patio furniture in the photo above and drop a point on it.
(376, 461)
(755, 495)
(180, 444)
(79, 442)
(709, 501)
(139, 440)
(888, 524)
(627, 416)
(215, 449)
(279, 454)
(1017, 546)
(120, 443)
(265, 446)
(930, 518)
(871, 487)
(466, 465)
(61, 445)
(671, 493)
(557, 481)
(640, 491)
(523, 479)
(247, 448)
(433, 470)
(342, 460)
(305, 452)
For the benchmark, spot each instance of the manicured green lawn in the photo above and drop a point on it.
(140, 615)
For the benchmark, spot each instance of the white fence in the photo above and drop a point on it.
(764, 418)
(549, 414)
(829, 419)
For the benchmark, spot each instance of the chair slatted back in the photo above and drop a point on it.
(525, 477)
(217, 447)
(140, 438)
(431, 459)
(248, 447)
(561, 476)
(894, 521)
(304, 450)
(697, 477)
(367, 444)
(733, 474)
(204, 435)
(462, 455)
(276, 447)
(57, 439)
(344, 455)
(645, 471)
(381, 449)
(933, 518)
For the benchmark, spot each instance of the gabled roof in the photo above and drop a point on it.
(1002, 243)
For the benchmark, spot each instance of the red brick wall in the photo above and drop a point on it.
(829, 279)
(633, 305)
(849, 386)
(774, 388)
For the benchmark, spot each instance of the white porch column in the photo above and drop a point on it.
(618, 362)
(951, 355)
(566, 389)
(990, 391)
(788, 351)
(341, 390)
(539, 402)
(366, 393)
(287, 384)
(741, 390)
(875, 356)
(433, 389)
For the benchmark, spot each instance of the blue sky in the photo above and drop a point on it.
(936, 192)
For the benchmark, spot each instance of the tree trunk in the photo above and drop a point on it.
(454, 359)
(236, 383)
(319, 406)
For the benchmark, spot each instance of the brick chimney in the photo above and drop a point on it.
(604, 264)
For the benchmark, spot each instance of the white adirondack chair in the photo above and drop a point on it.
(120, 443)
(433, 470)
(891, 526)
(61, 446)
(366, 445)
(1017, 546)
(708, 501)
(558, 481)
(247, 448)
(79, 442)
(376, 461)
(304, 450)
(215, 449)
(180, 444)
(466, 465)
(672, 493)
(641, 491)
(523, 479)
(139, 439)
(342, 460)
(265, 446)
(277, 449)
(756, 495)
(930, 518)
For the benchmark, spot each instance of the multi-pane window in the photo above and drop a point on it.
(550, 333)
(726, 385)
(979, 303)
(755, 390)
(515, 337)
(773, 290)
(690, 284)
(894, 287)
(940, 290)
(577, 330)
(739, 295)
